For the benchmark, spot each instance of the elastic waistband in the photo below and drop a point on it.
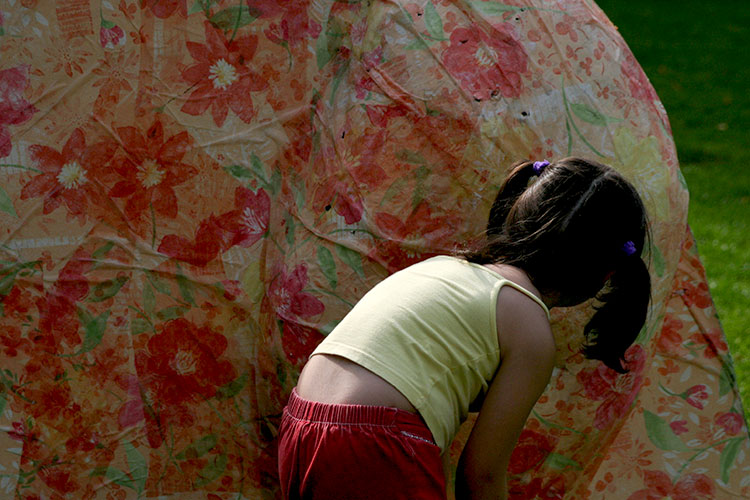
(313, 411)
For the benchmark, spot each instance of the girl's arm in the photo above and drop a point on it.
(527, 359)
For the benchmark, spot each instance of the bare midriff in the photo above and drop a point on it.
(336, 380)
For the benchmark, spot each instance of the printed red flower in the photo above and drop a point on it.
(165, 8)
(341, 196)
(531, 450)
(110, 35)
(59, 477)
(395, 250)
(150, 168)
(58, 316)
(640, 88)
(221, 77)
(183, 363)
(248, 222)
(537, 489)
(731, 422)
(487, 65)
(679, 426)
(616, 391)
(713, 342)
(116, 69)
(14, 108)
(696, 295)
(670, 339)
(696, 396)
(243, 226)
(11, 340)
(659, 486)
(299, 341)
(295, 25)
(288, 297)
(68, 177)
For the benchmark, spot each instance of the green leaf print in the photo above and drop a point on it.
(657, 259)
(186, 287)
(328, 43)
(211, 471)
(107, 289)
(94, 328)
(351, 258)
(661, 434)
(233, 388)
(137, 465)
(493, 8)
(158, 283)
(115, 475)
(239, 171)
(171, 312)
(592, 116)
(327, 265)
(433, 22)
(198, 448)
(726, 377)
(233, 18)
(728, 455)
(569, 122)
(103, 250)
(561, 462)
(6, 204)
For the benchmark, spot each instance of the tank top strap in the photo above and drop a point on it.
(521, 289)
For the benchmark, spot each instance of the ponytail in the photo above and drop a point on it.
(619, 319)
(515, 184)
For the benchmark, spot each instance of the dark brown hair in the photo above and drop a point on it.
(568, 230)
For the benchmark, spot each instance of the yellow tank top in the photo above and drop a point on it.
(429, 330)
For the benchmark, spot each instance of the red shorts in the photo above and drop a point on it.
(354, 452)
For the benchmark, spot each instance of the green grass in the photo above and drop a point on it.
(695, 54)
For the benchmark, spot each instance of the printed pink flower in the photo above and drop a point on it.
(150, 168)
(487, 65)
(299, 341)
(243, 226)
(295, 25)
(68, 177)
(58, 317)
(640, 88)
(111, 35)
(14, 108)
(696, 396)
(394, 250)
(532, 448)
(537, 489)
(713, 343)
(670, 339)
(616, 391)
(11, 340)
(731, 422)
(339, 195)
(660, 486)
(182, 364)
(165, 8)
(221, 77)
(698, 296)
(679, 426)
(288, 297)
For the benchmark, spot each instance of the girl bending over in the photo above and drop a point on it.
(382, 397)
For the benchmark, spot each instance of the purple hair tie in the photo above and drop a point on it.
(539, 166)
(629, 248)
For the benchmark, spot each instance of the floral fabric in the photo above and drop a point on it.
(194, 192)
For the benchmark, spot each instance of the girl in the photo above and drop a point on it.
(383, 395)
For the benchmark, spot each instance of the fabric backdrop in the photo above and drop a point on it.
(194, 192)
